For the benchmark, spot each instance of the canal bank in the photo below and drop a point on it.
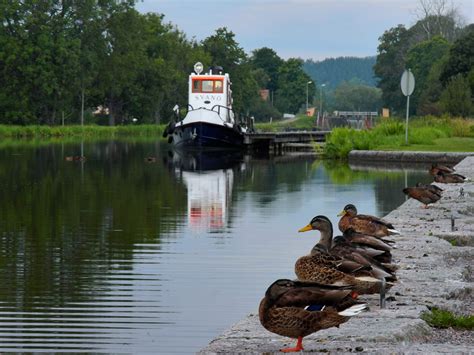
(435, 270)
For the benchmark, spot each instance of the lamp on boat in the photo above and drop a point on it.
(198, 67)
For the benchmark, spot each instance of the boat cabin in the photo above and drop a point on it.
(211, 91)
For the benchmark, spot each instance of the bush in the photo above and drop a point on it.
(425, 135)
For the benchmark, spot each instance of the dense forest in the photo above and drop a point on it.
(440, 54)
(62, 60)
(334, 71)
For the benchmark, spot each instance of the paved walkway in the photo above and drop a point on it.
(432, 272)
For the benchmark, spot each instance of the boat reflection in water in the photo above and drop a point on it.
(209, 178)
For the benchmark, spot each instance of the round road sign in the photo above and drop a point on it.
(407, 82)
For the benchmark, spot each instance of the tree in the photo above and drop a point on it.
(266, 59)
(357, 97)
(420, 60)
(292, 81)
(124, 57)
(89, 25)
(456, 98)
(226, 52)
(438, 18)
(460, 56)
(333, 71)
(162, 81)
(390, 64)
(428, 103)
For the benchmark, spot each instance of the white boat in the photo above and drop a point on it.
(209, 121)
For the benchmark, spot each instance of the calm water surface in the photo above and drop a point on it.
(125, 253)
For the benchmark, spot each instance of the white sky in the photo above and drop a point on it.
(309, 29)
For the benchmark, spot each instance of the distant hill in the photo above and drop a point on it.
(333, 71)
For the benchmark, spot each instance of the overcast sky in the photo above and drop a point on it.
(309, 29)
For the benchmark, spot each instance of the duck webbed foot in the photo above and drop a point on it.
(298, 347)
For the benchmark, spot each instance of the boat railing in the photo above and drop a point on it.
(223, 112)
(227, 112)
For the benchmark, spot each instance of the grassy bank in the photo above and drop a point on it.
(89, 131)
(424, 134)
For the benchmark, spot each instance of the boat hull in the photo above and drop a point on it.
(206, 135)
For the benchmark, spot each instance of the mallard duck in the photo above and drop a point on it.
(296, 309)
(365, 224)
(433, 188)
(378, 248)
(325, 268)
(350, 260)
(436, 168)
(446, 178)
(423, 194)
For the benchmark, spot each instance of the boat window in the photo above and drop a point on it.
(218, 86)
(215, 86)
(196, 86)
(207, 85)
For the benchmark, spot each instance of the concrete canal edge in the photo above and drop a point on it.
(406, 156)
(432, 272)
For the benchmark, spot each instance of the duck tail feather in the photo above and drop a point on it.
(368, 279)
(353, 310)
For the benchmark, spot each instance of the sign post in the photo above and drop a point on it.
(407, 84)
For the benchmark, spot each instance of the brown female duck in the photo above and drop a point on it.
(365, 224)
(296, 309)
(446, 178)
(325, 268)
(423, 194)
(350, 259)
(436, 168)
(378, 248)
(433, 188)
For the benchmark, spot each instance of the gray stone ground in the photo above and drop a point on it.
(432, 272)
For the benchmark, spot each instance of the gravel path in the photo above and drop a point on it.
(432, 272)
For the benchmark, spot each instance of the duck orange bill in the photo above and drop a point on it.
(305, 229)
(342, 213)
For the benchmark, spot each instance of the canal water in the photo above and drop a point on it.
(138, 249)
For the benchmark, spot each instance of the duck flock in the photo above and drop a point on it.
(338, 271)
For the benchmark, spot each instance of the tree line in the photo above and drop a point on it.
(335, 71)
(439, 50)
(62, 60)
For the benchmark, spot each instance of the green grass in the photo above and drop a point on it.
(424, 134)
(439, 318)
(453, 144)
(89, 131)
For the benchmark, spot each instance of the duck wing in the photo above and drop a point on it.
(376, 220)
(309, 293)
